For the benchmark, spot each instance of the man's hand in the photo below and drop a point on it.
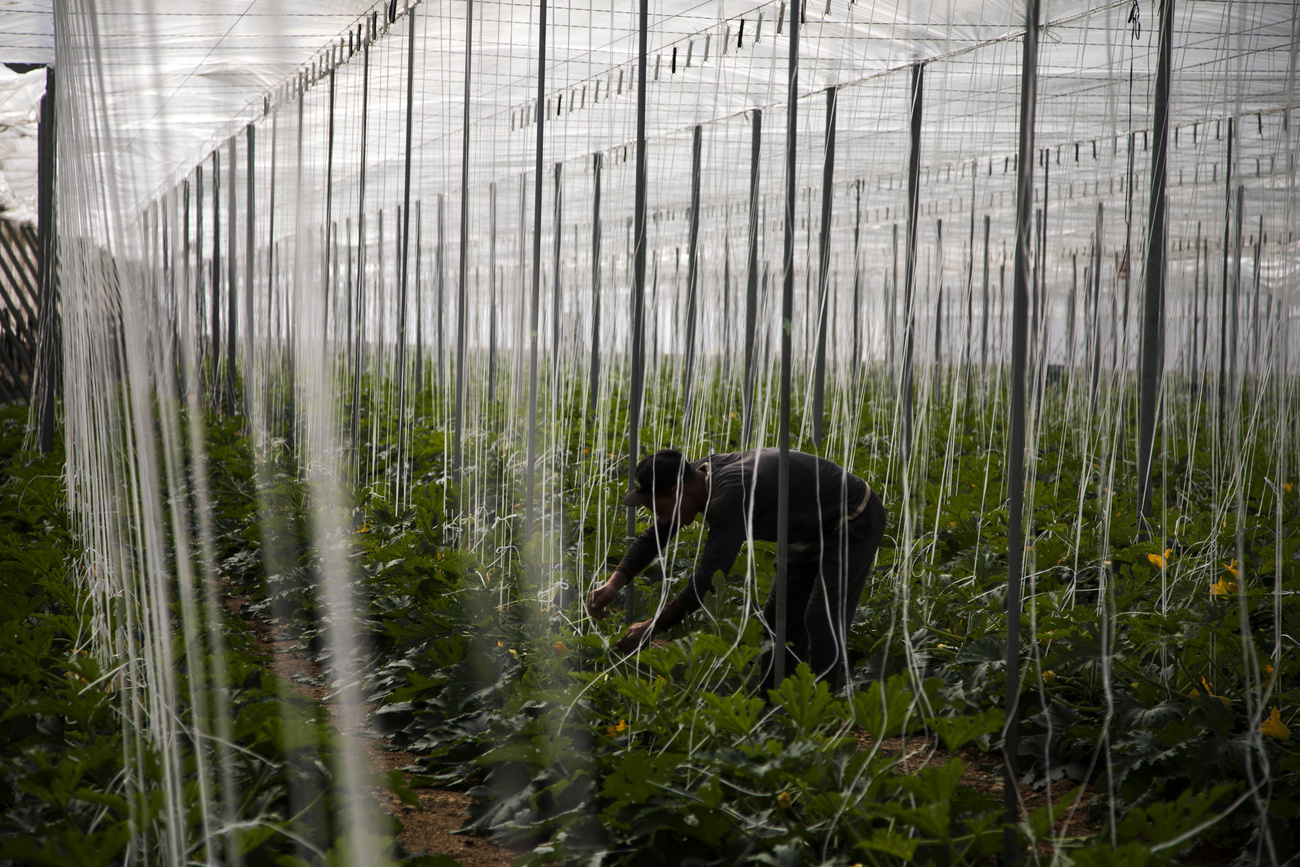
(638, 635)
(599, 598)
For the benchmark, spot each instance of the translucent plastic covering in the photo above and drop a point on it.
(20, 98)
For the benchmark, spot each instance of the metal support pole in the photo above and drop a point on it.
(440, 264)
(404, 264)
(530, 471)
(200, 275)
(50, 330)
(555, 281)
(331, 231)
(419, 308)
(857, 289)
(787, 317)
(232, 282)
(1096, 306)
(250, 263)
(692, 275)
(1223, 312)
(751, 283)
(216, 273)
(358, 364)
(984, 315)
(638, 278)
(1015, 459)
(909, 256)
(492, 292)
(1153, 344)
(461, 306)
(598, 161)
(823, 267)
(937, 375)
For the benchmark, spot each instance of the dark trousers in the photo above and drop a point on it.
(823, 586)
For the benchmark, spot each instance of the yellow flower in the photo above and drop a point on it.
(1287, 486)
(1232, 567)
(1049, 677)
(1224, 587)
(513, 652)
(783, 799)
(614, 731)
(501, 644)
(952, 524)
(1274, 728)
(1156, 560)
(364, 528)
(1209, 690)
(560, 649)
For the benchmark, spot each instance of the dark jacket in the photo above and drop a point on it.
(742, 507)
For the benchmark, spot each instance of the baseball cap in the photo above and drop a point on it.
(655, 473)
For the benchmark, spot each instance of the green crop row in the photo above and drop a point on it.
(1146, 673)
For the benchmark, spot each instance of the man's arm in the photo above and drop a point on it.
(640, 554)
(720, 550)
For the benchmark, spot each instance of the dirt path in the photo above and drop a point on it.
(431, 827)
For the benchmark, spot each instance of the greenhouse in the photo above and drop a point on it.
(859, 432)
